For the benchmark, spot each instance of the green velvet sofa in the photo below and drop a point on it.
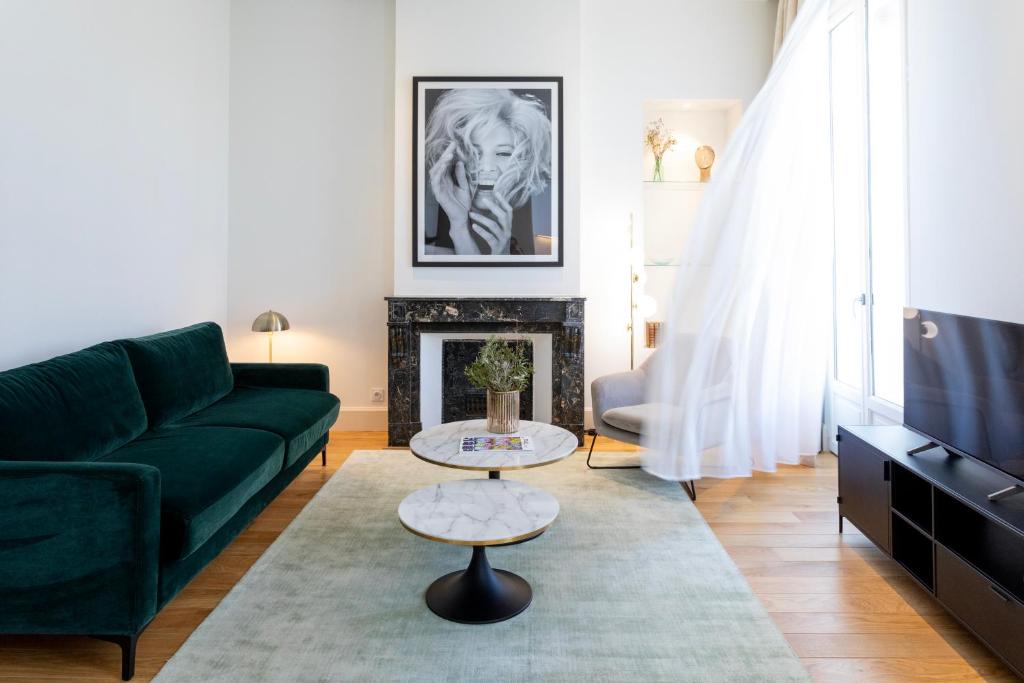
(125, 468)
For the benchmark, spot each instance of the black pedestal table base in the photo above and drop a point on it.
(479, 594)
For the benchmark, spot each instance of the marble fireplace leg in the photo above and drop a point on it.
(567, 379)
(403, 384)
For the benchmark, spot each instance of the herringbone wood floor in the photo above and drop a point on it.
(847, 610)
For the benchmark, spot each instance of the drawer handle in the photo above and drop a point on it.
(1001, 593)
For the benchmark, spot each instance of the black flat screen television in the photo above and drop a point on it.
(963, 385)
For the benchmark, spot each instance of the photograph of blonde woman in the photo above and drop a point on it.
(486, 181)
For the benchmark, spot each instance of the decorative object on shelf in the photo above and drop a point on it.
(705, 157)
(659, 140)
(270, 322)
(653, 329)
(487, 171)
(503, 370)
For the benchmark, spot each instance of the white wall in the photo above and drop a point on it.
(632, 52)
(472, 38)
(966, 157)
(116, 171)
(286, 101)
(312, 134)
(113, 170)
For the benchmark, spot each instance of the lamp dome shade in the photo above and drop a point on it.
(647, 305)
(271, 321)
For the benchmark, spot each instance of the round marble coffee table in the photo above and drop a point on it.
(478, 513)
(440, 445)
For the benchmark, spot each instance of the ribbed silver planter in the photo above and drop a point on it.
(502, 411)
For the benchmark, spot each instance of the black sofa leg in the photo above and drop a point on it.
(323, 458)
(127, 644)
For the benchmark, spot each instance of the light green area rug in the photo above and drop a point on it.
(629, 585)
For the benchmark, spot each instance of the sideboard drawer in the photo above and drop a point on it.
(985, 607)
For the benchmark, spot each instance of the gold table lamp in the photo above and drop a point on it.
(270, 322)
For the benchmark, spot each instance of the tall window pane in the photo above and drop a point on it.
(887, 125)
(849, 197)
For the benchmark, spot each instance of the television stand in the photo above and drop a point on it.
(1006, 493)
(936, 515)
(924, 447)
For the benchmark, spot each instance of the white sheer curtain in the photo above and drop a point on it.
(739, 378)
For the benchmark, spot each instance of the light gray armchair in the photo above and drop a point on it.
(621, 410)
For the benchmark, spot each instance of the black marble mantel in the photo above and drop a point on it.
(561, 317)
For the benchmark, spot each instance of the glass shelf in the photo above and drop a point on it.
(660, 265)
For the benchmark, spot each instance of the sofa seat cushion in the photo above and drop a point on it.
(75, 407)
(206, 475)
(299, 416)
(180, 371)
(630, 418)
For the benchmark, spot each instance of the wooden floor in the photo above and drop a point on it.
(847, 611)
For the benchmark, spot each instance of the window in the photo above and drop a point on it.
(887, 186)
(867, 98)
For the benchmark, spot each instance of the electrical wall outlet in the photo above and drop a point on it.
(377, 395)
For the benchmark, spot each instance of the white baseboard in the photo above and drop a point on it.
(588, 418)
(362, 420)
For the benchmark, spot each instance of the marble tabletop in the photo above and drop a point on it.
(478, 512)
(440, 445)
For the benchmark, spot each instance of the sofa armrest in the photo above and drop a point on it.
(79, 547)
(615, 391)
(282, 375)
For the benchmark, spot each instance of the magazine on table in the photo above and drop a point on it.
(493, 444)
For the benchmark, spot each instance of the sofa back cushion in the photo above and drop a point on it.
(181, 371)
(75, 407)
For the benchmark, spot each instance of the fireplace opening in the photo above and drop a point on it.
(459, 399)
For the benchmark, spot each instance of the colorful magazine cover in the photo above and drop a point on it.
(490, 444)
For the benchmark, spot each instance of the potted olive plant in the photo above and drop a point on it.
(503, 370)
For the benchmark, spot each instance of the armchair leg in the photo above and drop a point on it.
(323, 458)
(127, 644)
(689, 486)
(605, 467)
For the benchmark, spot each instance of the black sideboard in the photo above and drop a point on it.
(931, 513)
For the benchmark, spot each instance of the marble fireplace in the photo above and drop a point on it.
(418, 327)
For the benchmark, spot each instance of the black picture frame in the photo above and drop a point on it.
(556, 256)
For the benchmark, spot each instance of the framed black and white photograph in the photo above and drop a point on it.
(487, 171)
